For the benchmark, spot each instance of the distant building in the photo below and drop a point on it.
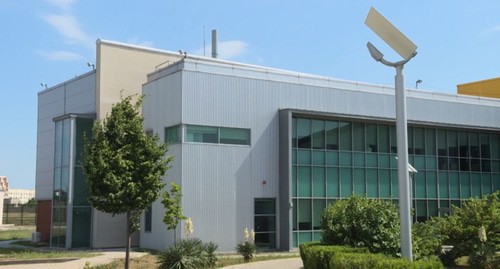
(4, 183)
(482, 88)
(19, 196)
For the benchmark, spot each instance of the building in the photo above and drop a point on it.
(483, 88)
(19, 196)
(4, 184)
(262, 148)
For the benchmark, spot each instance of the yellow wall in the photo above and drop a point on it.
(484, 88)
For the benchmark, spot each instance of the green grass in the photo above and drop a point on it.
(232, 260)
(30, 254)
(19, 233)
(30, 244)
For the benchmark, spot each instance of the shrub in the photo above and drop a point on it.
(362, 222)
(247, 247)
(316, 255)
(379, 261)
(463, 226)
(188, 253)
(427, 238)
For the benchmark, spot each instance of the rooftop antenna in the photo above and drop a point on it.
(44, 85)
(417, 82)
(91, 65)
(214, 43)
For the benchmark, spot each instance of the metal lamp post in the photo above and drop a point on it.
(404, 47)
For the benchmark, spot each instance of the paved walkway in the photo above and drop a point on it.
(290, 263)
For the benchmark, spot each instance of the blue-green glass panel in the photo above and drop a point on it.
(465, 185)
(475, 182)
(81, 227)
(358, 136)
(317, 236)
(395, 184)
(305, 237)
(345, 136)
(394, 142)
(345, 159)
(294, 181)
(495, 146)
(421, 210)
(383, 138)
(319, 189)
(419, 183)
(318, 157)
(359, 159)
(346, 182)
(66, 141)
(295, 240)
(384, 183)
(384, 160)
(452, 143)
(442, 143)
(304, 133)
(372, 183)
(332, 182)
(173, 134)
(305, 215)
(295, 212)
(430, 163)
(318, 131)
(431, 184)
(419, 141)
(304, 156)
(359, 182)
(430, 142)
(332, 158)
(332, 135)
(294, 132)
(444, 208)
(419, 163)
(394, 161)
(304, 179)
(371, 160)
(454, 185)
(443, 185)
(495, 166)
(486, 184)
(474, 145)
(318, 208)
(371, 138)
(80, 187)
(294, 156)
(495, 178)
(433, 208)
(202, 134)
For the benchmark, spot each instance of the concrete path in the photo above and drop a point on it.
(290, 263)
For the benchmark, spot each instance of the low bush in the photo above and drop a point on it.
(362, 222)
(379, 261)
(188, 253)
(316, 255)
(427, 238)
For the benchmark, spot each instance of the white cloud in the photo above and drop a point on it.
(60, 55)
(135, 41)
(69, 27)
(63, 4)
(492, 30)
(227, 49)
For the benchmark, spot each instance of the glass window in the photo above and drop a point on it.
(294, 132)
(304, 133)
(332, 135)
(304, 179)
(319, 189)
(372, 183)
(318, 207)
(465, 185)
(305, 218)
(346, 181)
(495, 146)
(318, 157)
(443, 185)
(304, 156)
(359, 182)
(411, 147)
(419, 185)
(332, 182)
(358, 136)
(442, 143)
(419, 141)
(485, 148)
(173, 134)
(265, 223)
(234, 136)
(474, 145)
(345, 135)
(430, 142)
(318, 129)
(394, 140)
(371, 138)
(475, 183)
(202, 134)
(384, 183)
(431, 185)
(383, 138)
(454, 185)
(452, 143)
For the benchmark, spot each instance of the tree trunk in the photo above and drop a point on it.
(127, 251)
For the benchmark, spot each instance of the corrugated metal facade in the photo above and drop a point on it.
(220, 182)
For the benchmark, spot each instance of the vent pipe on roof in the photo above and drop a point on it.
(214, 43)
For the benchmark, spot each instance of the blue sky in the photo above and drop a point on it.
(49, 41)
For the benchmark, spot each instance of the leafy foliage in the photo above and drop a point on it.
(188, 253)
(379, 261)
(463, 226)
(173, 207)
(316, 255)
(246, 249)
(124, 164)
(362, 222)
(427, 238)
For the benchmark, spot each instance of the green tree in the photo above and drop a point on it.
(31, 202)
(173, 207)
(124, 165)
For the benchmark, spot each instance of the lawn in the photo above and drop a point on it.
(18, 232)
(30, 254)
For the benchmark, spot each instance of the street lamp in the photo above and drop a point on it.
(406, 49)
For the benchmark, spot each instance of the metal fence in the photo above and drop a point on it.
(19, 214)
